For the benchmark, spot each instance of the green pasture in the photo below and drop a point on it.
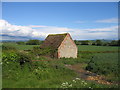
(20, 47)
(97, 48)
(53, 73)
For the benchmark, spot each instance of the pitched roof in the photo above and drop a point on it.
(53, 40)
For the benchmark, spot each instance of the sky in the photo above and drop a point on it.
(83, 20)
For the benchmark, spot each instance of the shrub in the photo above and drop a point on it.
(23, 58)
(98, 42)
(15, 57)
(114, 43)
(48, 51)
(8, 57)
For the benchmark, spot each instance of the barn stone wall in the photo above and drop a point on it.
(67, 49)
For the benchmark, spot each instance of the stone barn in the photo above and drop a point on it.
(63, 43)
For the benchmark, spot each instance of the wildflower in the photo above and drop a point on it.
(70, 85)
(66, 82)
(74, 81)
(89, 87)
(36, 70)
(83, 81)
(77, 78)
(63, 84)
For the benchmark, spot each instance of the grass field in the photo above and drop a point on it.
(21, 47)
(96, 48)
(80, 47)
(53, 73)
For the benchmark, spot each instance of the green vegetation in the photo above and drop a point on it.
(48, 51)
(96, 48)
(21, 43)
(80, 83)
(105, 64)
(98, 42)
(8, 48)
(20, 47)
(35, 75)
(34, 69)
(33, 42)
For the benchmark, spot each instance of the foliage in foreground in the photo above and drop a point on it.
(14, 57)
(43, 74)
(35, 75)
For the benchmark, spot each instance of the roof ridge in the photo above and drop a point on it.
(59, 34)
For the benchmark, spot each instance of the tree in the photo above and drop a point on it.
(114, 43)
(119, 42)
(77, 42)
(20, 43)
(105, 44)
(98, 43)
(33, 42)
(86, 42)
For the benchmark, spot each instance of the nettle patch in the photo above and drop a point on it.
(10, 57)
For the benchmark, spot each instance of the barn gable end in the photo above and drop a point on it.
(67, 48)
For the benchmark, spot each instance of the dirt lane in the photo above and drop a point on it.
(87, 75)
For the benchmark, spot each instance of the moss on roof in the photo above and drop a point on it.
(53, 40)
(59, 34)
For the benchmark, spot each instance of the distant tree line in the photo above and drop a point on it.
(98, 42)
(30, 42)
(77, 42)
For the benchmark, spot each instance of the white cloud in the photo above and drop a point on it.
(97, 33)
(29, 31)
(111, 20)
(15, 30)
(108, 29)
(43, 31)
